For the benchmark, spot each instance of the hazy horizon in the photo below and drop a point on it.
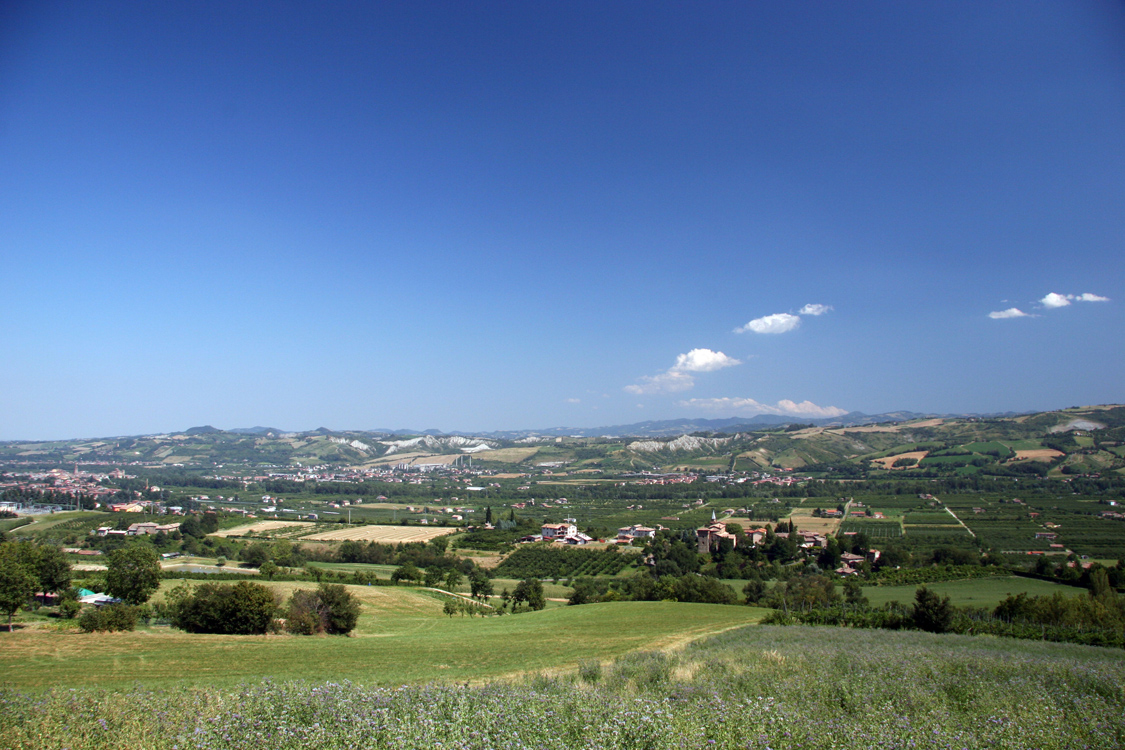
(413, 429)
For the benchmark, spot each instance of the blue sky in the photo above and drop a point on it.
(477, 216)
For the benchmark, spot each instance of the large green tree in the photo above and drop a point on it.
(530, 591)
(17, 581)
(480, 585)
(53, 569)
(133, 573)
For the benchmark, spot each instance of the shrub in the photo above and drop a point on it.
(243, 608)
(407, 572)
(109, 619)
(69, 608)
(302, 617)
(330, 609)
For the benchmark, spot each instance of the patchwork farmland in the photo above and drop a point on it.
(382, 534)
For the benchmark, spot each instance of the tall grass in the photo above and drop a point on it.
(755, 687)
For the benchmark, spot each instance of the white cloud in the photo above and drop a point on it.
(813, 309)
(776, 323)
(574, 400)
(1053, 300)
(678, 377)
(1011, 312)
(750, 407)
(703, 360)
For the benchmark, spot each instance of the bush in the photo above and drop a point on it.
(330, 609)
(243, 608)
(109, 619)
(69, 608)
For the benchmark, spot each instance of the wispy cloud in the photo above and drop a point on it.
(574, 400)
(679, 376)
(776, 323)
(782, 322)
(665, 382)
(1011, 312)
(1051, 301)
(751, 407)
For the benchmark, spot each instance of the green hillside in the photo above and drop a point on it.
(1080, 440)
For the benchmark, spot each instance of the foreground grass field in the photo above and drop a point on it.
(402, 637)
(755, 687)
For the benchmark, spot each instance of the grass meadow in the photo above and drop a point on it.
(753, 687)
(402, 637)
(978, 592)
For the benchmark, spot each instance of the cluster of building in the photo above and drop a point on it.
(714, 533)
(707, 537)
(677, 478)
(60, 482)
(137, 529)
(850, 564)
(560, 533)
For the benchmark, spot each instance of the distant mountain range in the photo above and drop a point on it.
(650, 428)
(959, 443)
(673, 427)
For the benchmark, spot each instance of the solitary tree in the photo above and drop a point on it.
(133, 573)
(932, 612)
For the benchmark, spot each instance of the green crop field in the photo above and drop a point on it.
(402, 637)
(990, 446)
(938, 532)
(1023, 445)
(939, 518)
(979, 592)
(877, 529)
